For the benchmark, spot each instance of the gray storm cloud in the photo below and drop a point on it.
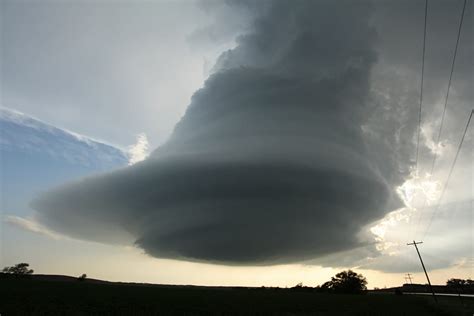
(274, 160)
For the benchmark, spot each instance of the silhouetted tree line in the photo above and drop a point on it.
(345, 282)
(18, 270)
(461, 285)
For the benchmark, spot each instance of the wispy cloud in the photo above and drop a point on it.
(31, 225)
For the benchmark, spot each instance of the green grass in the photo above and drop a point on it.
(34, 297)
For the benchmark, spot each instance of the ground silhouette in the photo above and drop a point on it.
(63, 295)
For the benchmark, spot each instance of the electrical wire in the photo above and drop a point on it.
(421, 87)
(435, 156)
(449, 175)
(449, 85)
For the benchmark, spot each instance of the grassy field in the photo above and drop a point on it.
(39, 297)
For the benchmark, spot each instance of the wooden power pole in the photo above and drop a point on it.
(415, 243)
(408, 277)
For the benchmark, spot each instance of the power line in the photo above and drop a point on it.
(421, 99)
(449, 175)
(421, 87)
(435, 156)
(449, 85)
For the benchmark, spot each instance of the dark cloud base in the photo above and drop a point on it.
(232, 212)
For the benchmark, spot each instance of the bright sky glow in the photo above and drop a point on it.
(139, 151)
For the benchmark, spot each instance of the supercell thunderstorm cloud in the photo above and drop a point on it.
(272, 161)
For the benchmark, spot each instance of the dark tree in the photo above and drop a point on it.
(347, 282)
(18, 269)
(461, 286)
(82, 277)
(459, 283)
(327, 286)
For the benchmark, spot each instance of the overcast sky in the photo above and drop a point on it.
(294, 122)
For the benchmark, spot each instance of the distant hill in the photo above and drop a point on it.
(424, 288)
(52, 278)
(67, 278)
(35, 156)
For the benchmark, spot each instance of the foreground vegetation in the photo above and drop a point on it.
(32, 296)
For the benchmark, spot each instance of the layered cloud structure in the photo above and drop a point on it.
(274, 161)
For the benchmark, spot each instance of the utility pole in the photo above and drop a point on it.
(409, 278)
(414, 243)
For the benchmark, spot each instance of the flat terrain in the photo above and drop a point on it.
(47, 297)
